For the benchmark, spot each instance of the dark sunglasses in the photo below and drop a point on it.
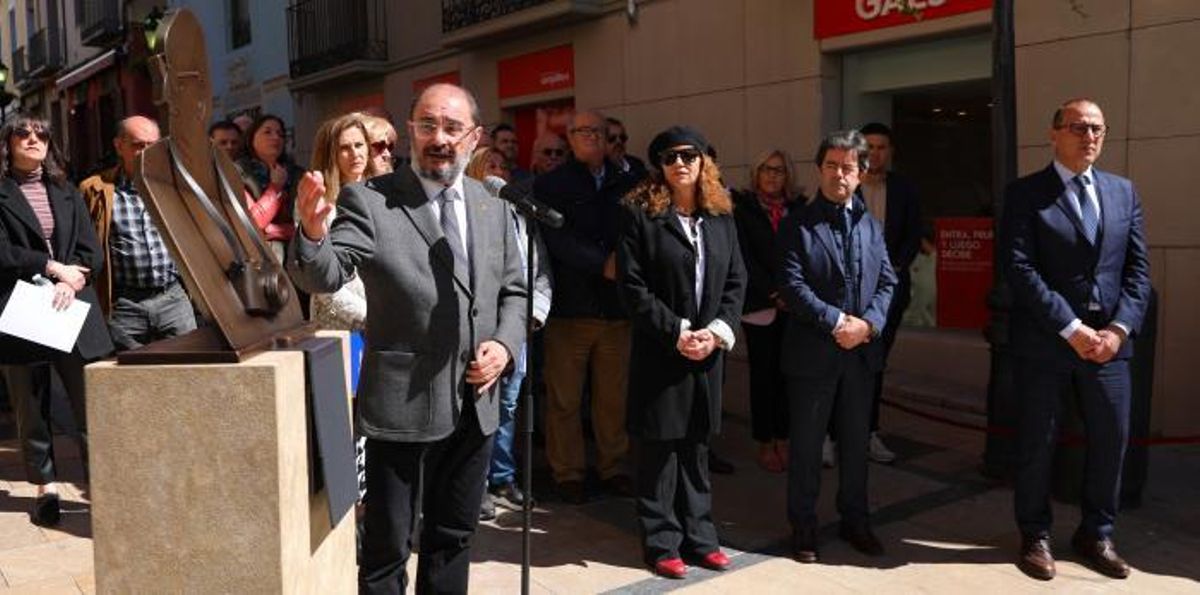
(380, 145)
(23, 133)
(554, 152)
(618, 137)
(686, 156)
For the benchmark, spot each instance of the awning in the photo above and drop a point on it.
(86, 70)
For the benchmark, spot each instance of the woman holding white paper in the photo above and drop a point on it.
(46, 235)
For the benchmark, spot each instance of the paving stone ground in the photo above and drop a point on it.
(947, 529)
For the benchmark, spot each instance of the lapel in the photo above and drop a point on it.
(12, 199)
(1055, 186)
(409, 196)
(825, 234)
(479, 236)
(1108, 195)
(670, 220)
(64, 221)
(715, 247)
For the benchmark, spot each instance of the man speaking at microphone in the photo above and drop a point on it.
(439, 262)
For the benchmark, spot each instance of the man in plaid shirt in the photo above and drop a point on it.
(140, 290)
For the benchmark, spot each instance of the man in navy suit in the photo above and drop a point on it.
(1075, 257)
(838, 283)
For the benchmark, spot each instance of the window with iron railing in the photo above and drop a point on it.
(327, 33)
(457, 14)
(239, 23)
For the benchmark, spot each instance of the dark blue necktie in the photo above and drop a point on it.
(1087, 211)
(849, 261)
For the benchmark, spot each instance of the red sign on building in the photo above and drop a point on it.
(842, 17)
(536, 73)
(965, 246)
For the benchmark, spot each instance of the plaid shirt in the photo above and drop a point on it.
(140, 259)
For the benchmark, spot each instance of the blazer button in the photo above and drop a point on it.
(474, 312)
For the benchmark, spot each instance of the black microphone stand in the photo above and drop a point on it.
(526, 399)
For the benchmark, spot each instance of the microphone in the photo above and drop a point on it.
(521, 197)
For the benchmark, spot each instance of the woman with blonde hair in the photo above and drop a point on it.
(488, 161)
(758, 211)
(381, 138)
(681, 278)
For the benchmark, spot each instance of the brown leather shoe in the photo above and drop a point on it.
(862, 539)
(804, 546)
(1101, 555)
(1036, 559)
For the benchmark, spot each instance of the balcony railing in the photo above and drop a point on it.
(326, 33)
(466, 22)
(100, 22)
(458, 14)
(19, 72)
(45, 53)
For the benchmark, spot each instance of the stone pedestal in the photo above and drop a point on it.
(200, 481)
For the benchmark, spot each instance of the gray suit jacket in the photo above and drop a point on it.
(427, 317)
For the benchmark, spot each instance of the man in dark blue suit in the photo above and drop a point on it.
(1075, 257)
(837, 282)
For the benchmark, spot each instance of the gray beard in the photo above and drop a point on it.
(445, 175)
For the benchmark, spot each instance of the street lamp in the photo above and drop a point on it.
(150, 27)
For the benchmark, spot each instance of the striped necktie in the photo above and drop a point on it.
(1087, 211)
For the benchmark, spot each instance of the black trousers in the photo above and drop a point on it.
(29, 388)
(768, 391)
(450, 473)
(845, 396)
(674, 494)
(1103, 394)
(890, 327)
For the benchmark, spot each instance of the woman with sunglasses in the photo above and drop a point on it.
(46, 237)
(758, 211)
(271, 177)
(382, 138)
(681, 278)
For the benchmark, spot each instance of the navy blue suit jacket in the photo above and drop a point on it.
(1051, 266)
(814, 288)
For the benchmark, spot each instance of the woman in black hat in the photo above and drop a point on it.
(682, 280)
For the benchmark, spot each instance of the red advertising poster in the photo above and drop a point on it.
(841, 17)
(965, 246)
(537, 72)
(445, 77)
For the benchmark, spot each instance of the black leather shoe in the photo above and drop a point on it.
(487, 508)
(46, 511)
(571, 492)
(862, 539)
(1036, 559)
(718, 465)
(804, 546)
(620, 486)
(1100, 554)
(509, 491)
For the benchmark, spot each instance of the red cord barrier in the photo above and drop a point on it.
(1071, 439)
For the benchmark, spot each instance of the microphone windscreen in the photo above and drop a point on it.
(494, 184)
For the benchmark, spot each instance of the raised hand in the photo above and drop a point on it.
(278, 176)
(312, 205)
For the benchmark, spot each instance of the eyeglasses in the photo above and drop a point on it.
(586, 131)
(380, 146)
(428, 127)
(773, 170)
(1082, 129)
(24, 133)
(554, 152)
(685, 156)
(614, 138)
(846, 169)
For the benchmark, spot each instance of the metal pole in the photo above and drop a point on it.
(527, 400)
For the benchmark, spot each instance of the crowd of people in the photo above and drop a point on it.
(637, 299)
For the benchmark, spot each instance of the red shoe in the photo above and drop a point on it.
(715, 560)
(670, 568)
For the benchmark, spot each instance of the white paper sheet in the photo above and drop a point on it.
(30, 315)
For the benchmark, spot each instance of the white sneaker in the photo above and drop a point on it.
(828, 455)
(878, 451)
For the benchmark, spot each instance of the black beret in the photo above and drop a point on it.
(673, 137)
